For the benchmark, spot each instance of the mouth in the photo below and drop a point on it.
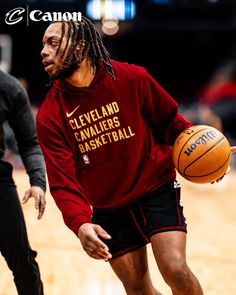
(47, 65)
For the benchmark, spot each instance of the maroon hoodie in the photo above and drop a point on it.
(107, 145)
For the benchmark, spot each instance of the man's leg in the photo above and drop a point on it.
(15, 246)
(169, 249)
(132, 270)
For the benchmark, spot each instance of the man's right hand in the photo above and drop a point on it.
(88, 234)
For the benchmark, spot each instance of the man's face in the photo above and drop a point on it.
(53, 61)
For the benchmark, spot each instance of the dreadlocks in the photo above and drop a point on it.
(84, 33)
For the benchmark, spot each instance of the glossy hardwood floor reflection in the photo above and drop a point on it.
(67, 270)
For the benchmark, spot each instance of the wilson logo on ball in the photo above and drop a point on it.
(201, 140)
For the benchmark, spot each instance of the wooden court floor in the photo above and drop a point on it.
(67, 270)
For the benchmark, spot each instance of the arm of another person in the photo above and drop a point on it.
(22, 122)
(67, 192)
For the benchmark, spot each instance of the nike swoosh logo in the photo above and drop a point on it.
(71, 113)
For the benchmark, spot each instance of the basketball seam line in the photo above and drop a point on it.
(186, 143)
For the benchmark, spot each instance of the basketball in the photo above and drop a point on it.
(201, 154)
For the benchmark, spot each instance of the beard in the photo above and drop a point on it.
(67, 69)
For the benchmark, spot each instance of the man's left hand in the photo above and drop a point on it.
(233, 150)
(39, 199)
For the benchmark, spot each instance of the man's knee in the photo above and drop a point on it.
(138, 283)
(176, 272)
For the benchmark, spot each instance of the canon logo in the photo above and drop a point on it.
(17, 14)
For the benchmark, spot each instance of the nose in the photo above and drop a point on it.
(44, 51)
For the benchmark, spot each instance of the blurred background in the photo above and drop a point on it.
(180, 42)
(189, 46)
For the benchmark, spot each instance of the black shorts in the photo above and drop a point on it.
(132, 226)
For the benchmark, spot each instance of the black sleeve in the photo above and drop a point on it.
(22, 122)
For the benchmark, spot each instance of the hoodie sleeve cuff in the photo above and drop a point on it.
(77, 222)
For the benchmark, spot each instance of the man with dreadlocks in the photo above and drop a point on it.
(105, 129)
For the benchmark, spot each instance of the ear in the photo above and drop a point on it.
(80, 46)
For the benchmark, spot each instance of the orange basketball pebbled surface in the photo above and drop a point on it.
(201, 154)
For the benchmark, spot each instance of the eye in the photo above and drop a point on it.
(54, 43)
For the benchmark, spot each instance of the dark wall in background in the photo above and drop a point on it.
(180, 46)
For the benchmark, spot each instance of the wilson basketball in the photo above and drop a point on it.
(201, 154)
